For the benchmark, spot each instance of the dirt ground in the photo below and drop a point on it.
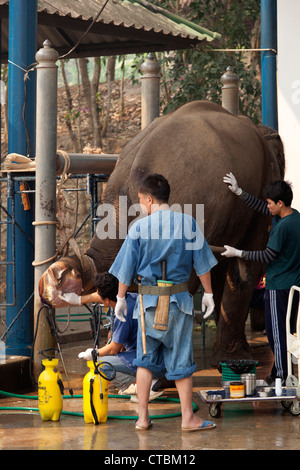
(122, 127)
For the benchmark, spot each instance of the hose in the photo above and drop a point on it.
(73, 413)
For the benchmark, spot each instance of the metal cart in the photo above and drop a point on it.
(290, 398)
(293, 340)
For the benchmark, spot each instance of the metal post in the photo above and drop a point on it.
(45, 205)
(268, 63)
(150, 90)
(230, 91)
(22, 49)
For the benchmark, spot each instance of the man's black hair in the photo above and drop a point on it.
(279, 191)
(107, 286)
(157, 186)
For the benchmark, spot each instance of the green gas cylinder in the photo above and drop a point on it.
(50, 391)
(95, 395)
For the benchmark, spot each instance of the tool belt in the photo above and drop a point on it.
(163, 290)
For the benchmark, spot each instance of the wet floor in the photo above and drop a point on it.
(264, 425)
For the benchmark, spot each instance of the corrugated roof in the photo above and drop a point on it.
(124, 26)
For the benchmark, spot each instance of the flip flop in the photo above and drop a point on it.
(205, 426)
(143, 428)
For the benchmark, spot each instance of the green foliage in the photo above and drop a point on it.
(195, 74)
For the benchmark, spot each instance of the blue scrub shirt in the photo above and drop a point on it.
(163, 235)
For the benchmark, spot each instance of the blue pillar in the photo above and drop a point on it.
(22, 50)
(268, 63)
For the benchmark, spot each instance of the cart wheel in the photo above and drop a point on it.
(294, 408)
(215, 410)
(286, 404)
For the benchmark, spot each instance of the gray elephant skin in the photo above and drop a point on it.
(193, 147)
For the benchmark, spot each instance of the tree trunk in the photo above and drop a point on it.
(122, 92)
(68, 115)
(110, 70)
(86, 86)
(95, 113)
(164, 82)
(111, 64)
(79, 101)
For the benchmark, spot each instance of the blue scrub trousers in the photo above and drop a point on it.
(169, 352)
(124, 375)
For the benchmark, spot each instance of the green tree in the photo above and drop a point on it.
(195, 74)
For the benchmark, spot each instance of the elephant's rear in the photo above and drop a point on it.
(194, 147)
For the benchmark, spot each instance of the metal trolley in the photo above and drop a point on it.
(290, 398)
(293, 349)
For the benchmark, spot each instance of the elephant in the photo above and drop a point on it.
(193, 147)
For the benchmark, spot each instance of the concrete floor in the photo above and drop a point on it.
(242, 426)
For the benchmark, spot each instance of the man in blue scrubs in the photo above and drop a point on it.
(176, 238)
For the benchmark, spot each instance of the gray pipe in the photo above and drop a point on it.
(82, 163)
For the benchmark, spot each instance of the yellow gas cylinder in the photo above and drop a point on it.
(50, 391)
(95, 395)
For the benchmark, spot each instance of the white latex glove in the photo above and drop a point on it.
(233, 184)
(86, 355)
(121, 308)
(231, 252)
(71, 298)
(208, 301)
